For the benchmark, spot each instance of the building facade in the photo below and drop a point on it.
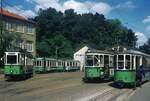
(80, 56)
(23, 27)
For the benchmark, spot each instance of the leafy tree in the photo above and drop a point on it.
(146, 47)
(60, 34)
(7, 41)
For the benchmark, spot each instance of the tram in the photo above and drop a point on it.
(126, 64)
(39, 65)
(57, 65)
(17, 64)
(42, 65)
(98, 65)
(72, 65)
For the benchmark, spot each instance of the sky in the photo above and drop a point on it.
(133, 14)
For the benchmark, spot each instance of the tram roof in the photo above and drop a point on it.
(100, 52)
(134, 52)
(40, 58)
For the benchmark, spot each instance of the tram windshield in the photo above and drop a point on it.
(89, 60)
(111, 61)
(128, 62)
(120, 61)
(11, 59)
(96, 60)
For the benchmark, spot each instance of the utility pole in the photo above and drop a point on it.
(56, 52)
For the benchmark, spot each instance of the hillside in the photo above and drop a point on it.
(60, 34)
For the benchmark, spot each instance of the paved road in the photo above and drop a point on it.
(142, 94)
(60, 87)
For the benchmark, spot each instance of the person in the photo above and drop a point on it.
(139, 73)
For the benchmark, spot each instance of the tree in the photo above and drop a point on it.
(8, 40)
(59, 34)
(146, 47)
(56, 47)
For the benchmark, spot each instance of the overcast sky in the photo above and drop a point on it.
(134, 14)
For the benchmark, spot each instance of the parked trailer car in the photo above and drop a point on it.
(17, 64)
(98, 65)
(72, 65)
(51, 64)
(39, 65)
(126, 65)
(58, 65)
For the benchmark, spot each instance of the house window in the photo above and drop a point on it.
(20, 44)
(30, 30)
(20, 28)
(9, 26)
(29, 46)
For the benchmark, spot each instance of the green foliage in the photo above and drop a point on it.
(7, 40)
(59, 34)
(146, 47)
(56, 47)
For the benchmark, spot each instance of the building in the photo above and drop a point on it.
(80, 56)
(23, 27)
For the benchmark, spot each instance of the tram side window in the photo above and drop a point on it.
(23, 59)
(111, 61)
(67, 63)
(47, 63)
(29, 61)
(96, 62)
(71, 64)
(106, 60)
(89, 61)
(132, 63)
(127, 65)
(120, 61)
(11, 59)
(144, 62)
(101, 60)
(40, 63)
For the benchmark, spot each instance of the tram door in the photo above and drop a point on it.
(137, 63)
(106, 65)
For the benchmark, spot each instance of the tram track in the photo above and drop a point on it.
(67, 87)
(112, 94)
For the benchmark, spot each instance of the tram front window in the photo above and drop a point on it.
(120, 61)
(11, 59)
(127, 62)
(89, 61)
(96, 60)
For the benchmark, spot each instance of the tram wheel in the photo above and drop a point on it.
(85, 80)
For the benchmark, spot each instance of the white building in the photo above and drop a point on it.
(80, 56)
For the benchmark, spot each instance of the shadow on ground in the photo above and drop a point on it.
(96, 80)
(125, 86)
(17, 79)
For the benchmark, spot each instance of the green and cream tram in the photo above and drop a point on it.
(42, 65)
(98, 65)
(72, 65)
(126, 64)
(39, 65)
(60, 65)
(17, 64)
